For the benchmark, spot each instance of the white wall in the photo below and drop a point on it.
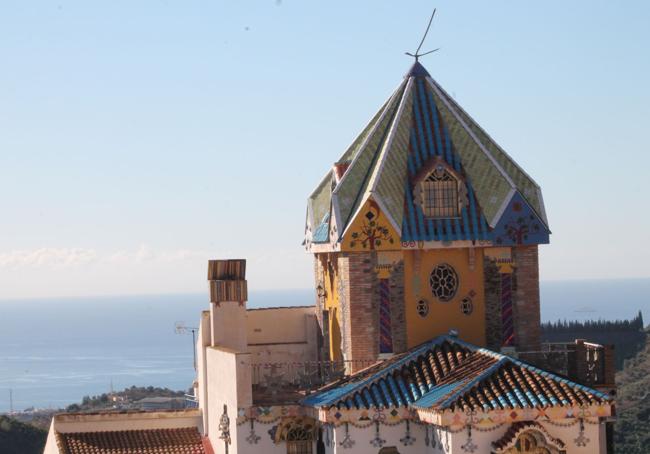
(392, 435)
(228, 383)
(595, 433)
(452, 443)
(264, 445)
(50, 444)
(202, 342)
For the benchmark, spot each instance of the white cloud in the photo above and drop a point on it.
(47, 257)
(78, 257)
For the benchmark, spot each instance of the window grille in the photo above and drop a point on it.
(444, 282)
(422, 308)
(440, 194)
(299, 439)
(299, 447)
(466, 306)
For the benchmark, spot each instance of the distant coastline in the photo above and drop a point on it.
(78, 346)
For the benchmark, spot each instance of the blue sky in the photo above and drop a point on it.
(139, 139)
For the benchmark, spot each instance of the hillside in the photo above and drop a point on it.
(19, 438)
(121, 399)
(632, 430)
(25, 432)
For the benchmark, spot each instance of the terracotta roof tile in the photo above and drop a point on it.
(447, 373)
(152, 441)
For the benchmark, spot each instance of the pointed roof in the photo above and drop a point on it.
(418, 123)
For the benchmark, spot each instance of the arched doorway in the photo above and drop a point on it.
(389, 450)
(532, 441)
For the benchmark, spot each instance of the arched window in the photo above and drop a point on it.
(440, 194)
(532, 442)
(299, 436)
(389, 450)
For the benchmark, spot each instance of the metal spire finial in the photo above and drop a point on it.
(417, 53)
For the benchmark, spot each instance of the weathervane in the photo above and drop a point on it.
(417, 53)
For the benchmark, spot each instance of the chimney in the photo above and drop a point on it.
(228, 296)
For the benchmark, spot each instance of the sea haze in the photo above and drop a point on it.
(55, 351)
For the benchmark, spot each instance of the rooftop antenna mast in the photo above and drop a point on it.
(181, 328)
(417, 53)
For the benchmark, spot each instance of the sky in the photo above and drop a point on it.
(140, 139)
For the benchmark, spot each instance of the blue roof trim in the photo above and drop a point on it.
(429, 137)
(456, 389)
(321, 234)
(530, 367)
(519, 224)
(331, 396)
(432, 397)
(367, 393)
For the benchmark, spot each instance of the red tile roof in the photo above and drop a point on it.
(447, 373)
(152, 441)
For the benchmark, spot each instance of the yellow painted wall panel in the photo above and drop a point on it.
(444, 316)
(369, 231)
(332, 304)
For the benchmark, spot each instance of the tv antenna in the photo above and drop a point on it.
(181, 328)
(417, 53)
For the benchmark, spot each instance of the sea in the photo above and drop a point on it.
(55, 351)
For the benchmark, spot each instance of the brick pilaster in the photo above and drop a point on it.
(359, 307)
(526, 306)
(492, 286)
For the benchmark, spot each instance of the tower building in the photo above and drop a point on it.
(425, 226)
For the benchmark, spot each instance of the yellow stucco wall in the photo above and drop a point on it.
(444, 316)
(332, 304)
(370, 230)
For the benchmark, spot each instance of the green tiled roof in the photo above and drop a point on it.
(521, 179)
(492, 186)
(319, 201)
(420, 121)
(349, 193)
(391, 171)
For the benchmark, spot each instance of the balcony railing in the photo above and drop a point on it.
(587, 363)
(191, 401)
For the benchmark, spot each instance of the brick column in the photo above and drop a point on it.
(492, 286)
(526, 307)
(359, 306)
(397, 307)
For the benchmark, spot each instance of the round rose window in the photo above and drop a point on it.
(444, 282)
